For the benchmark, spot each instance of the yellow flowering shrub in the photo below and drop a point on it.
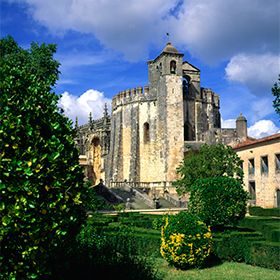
(185, 240)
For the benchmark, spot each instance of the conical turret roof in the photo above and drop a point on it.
(169, 48)
(241, 118)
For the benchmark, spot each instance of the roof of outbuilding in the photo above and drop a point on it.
(250, 142)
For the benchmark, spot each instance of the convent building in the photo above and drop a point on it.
(151, 128)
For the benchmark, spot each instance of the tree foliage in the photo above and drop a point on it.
(276, 93)
(218, 201)
(210, 161)
(41, 182)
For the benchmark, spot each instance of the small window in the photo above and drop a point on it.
(264, 165)
(252, 190)
(277, 162)
(173, 67)
(241, 165)
(251, 166)
(146, 132)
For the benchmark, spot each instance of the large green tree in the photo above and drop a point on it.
(276, 93)
(218, 201)
(210, 161)
(41, 182)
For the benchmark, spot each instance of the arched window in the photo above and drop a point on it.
(95, 141)
(146, 132)
(173, 67)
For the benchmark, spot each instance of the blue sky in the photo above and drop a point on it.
(103, 47)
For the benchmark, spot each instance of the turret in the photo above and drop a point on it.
(241, 127)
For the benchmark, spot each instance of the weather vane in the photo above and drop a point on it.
(167, 34)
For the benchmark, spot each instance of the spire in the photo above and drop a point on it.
(90, 120)
(105, 112)
(76, 123)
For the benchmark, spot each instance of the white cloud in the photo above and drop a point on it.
(216, 30)
(257, 72)
(211, 30)
(263, 128)
(90, 101)
(128, 26)
(230, 123)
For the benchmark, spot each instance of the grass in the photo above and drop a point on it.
(224, 271)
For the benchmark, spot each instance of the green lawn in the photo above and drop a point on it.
(225, 271)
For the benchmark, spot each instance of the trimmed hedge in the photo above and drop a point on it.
(264, 254)
(240, 244)
(235, 246)
(269, 227)
(259, 211)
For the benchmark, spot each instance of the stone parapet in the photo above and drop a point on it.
(138, 94)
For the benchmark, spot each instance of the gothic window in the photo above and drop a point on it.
(95, 141)
(146, 132)
(173, 67)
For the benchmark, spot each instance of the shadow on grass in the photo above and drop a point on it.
(87, 266)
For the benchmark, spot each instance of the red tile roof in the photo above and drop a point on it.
(251, 141)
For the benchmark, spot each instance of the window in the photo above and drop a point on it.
(173, 67)
(277, 162)
(241, 165)
(264, 165)
(146, 132)
(252, 190)
(95, 141)
(251, 166)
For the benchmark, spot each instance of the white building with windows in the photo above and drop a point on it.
(261, 166)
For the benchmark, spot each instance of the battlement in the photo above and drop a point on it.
(210, 97)
(137, 94)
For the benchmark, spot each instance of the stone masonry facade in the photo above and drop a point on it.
(151, 128)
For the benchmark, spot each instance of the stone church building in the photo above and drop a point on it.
(151, 128)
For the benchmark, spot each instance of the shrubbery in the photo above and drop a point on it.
(185, 240)
(259, 211)
(218, 201)
(41, 182)
(210, 161)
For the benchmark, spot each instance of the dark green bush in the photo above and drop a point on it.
(259, 211)
(235, 246)
(125, 239)
(265, 254)
(114, 251)
(210, 161)
(269, 227)
(218, 201)
(41, 182)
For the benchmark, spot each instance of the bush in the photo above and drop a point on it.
(41, 182)
(235, 246)
(265, 254)
(269, 227)
(210, 161)
(114, 251)
(185, 240)
(218, 201)
(259, 211)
